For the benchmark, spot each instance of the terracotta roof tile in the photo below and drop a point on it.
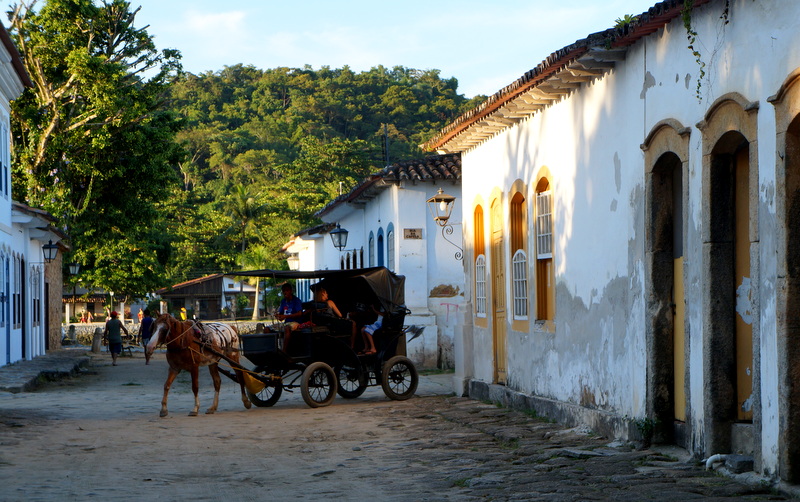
(609, 44)
(431, 169)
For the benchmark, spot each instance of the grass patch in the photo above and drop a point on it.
(510, 444)
(462, 483)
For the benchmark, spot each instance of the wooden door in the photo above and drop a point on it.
(498, 294)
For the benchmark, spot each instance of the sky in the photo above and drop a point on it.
(485, 44)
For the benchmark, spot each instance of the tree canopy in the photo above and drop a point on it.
(296, 138)
(159, 176)
(93, 140)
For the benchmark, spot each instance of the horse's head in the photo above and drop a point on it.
(160, 333)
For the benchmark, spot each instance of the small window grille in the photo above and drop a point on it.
(520, 284)
(480, 286)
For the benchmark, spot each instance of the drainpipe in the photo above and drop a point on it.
(713, 459)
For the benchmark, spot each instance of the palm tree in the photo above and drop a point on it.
(256, 258)
(244, 210)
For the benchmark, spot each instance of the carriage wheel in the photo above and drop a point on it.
(352, 381)
(269, 395)
(399, 379)
(318, 385)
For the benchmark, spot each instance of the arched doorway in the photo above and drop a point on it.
(666, 160)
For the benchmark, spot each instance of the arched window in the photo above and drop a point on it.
(371, 249)
(480, 262)
(519, 260)
(390, 247)
(480, 286)
(380, 247)
(519, 265)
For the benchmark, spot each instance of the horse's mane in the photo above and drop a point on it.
(180, 333)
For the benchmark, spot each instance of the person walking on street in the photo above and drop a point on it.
(113, 336)
(145, 332)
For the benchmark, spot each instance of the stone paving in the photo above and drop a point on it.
(454, 448)
(24, 376)
(504, 454)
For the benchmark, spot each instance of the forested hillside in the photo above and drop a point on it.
(265, 149)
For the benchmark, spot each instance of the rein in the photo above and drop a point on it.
(177, 339)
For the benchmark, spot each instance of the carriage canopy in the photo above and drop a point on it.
(363, 285)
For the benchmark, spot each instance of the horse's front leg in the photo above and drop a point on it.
(195, 371)
(170, 378)
(240, 376)
(214, 370)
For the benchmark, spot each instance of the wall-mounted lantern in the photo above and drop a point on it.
(50, 251)
(293, 260)
(339, 237)
(441, 205)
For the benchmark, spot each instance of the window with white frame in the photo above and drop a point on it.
(480, 286)
(17, 323)
(390, 250)
(371, 249)
(544, 226)
(519, 272)
(36, 296)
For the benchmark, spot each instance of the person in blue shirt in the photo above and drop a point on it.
(290, 312)
(145, 332)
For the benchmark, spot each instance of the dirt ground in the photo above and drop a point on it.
(98, 436)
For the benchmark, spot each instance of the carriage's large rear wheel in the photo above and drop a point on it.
(269, 395)
(352, 381)
(399, 379)
(318, 385)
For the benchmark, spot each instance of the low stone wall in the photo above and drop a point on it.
(82, 333)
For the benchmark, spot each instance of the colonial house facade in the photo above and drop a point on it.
(631, 232)
(388, 224)
(29, 287)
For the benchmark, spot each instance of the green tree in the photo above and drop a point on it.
(94, 140)
(295, 137)
(244, 212)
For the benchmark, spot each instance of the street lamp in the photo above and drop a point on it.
(339, 237)
(50, 251)
(293, 260)
(441, 205)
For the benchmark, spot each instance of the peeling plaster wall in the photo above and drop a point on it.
(596, 355)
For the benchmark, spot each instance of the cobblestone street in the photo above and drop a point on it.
(98, 436)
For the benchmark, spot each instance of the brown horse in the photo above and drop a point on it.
(189, 346)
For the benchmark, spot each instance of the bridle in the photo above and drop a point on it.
(176, 339)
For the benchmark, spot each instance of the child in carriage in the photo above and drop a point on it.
(369, 330)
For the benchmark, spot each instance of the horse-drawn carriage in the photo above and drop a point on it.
(322, 360)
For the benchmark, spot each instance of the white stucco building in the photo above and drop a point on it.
(630, 221)
(29, 288)
(389, 225)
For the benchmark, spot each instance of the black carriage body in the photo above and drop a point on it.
(352, 290)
